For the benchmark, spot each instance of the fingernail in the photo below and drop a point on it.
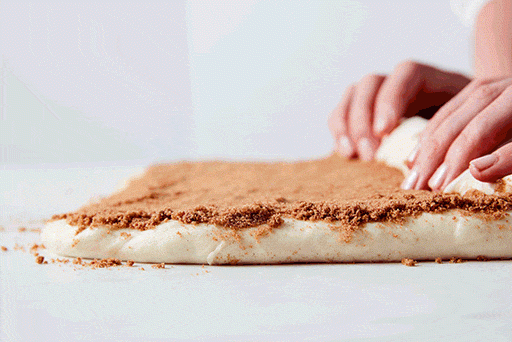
(346, 148)
(438, 177)
(365, 149)
(412, 155)
(381, 122)
(410, 181)
(379, 125)
(485, 162)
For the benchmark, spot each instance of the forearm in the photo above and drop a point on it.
(493, 40)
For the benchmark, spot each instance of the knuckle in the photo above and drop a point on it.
(349, 91)
(371, 78)
(432, 145)
(479, 82)
(409, 66)
(485, 91)
(468, 142)
(508, 90)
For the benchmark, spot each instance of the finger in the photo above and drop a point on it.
(478, 88)
(361, 116)
(450, 107)
(432, 172)
(482, 135)
(339, 127)
(397, 92)
(492, 167)
(402, 88)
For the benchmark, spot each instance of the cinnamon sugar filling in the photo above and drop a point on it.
(238, 195)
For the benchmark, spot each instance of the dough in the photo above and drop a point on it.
(155, 218)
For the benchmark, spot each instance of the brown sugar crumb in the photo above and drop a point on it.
(455, 260)
(130, 263)
(3, 248)
(482, 258)
(40, 259)
(22, 229)
(162, 265)
(35, 247)
(75, 242)
(59, 261)
(19, 247)
(103, 263)
(141, 268)
(125, 235)
(408, 262)
(439, 260)
(77, 261)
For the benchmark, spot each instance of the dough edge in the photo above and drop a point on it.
(426, 237)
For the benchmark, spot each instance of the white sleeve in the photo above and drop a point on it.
(467, 10)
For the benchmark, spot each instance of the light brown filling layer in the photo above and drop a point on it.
(239, 195)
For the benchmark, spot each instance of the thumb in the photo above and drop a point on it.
(494, 166)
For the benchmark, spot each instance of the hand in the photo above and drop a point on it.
(374, 106)
(477, 121)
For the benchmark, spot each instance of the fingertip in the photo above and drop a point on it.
(476, 173)
(484, 163)
(411, 158)
(380, 126)
(438, 178)
(365, 149)
(482, 168)
(410, 181)
(384, 122)
(346, 147)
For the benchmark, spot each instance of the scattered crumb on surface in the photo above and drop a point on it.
(40, 259)
(482, 258)
(34, 248)
(4, 249)
(125, 235)
(103, 263)
(162, 265)
(130, 263)
(455, 260)
(408, 262)
(19, 247)
(141, 268)
(439, 260)
(22, 229)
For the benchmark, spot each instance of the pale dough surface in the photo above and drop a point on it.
(428, 236)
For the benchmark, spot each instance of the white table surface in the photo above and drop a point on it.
(470, 301)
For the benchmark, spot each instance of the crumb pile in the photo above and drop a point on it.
(238, 195)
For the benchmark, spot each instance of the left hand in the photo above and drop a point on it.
(474, 123)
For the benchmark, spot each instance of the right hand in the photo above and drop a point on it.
(374, 106)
